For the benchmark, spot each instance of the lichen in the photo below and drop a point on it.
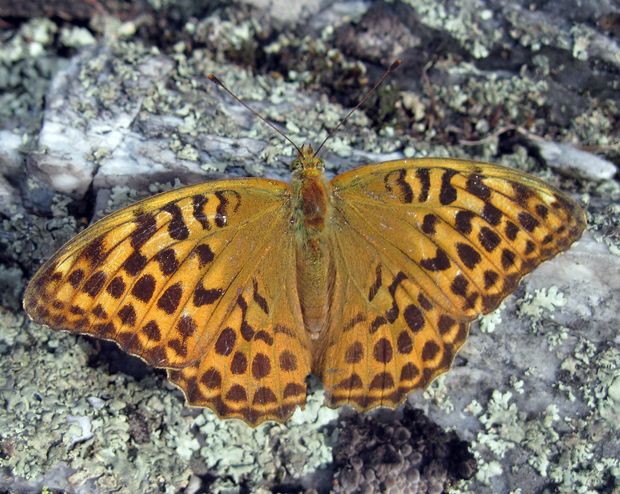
(440, 394)
(27, 62)
(469, 22)
(546, 299)
(76, 37)
(88, 431)
(269, 454)
(559, 444)
(488, 323)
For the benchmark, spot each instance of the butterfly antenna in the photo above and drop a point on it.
(385, 75)
(214, 79)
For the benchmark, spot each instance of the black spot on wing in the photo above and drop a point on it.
(491, 214)
(440, 262)
(199, 202)
(146, 227)
(476, 186)
(259, 299)
(374, 288)
(468, 255)
(405, 193)
(177, 228)
(423, 176)
(447, 193)
(462, 221)
(429, 223)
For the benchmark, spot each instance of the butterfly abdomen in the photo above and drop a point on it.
(311, 212)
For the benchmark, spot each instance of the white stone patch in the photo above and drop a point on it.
(576, 162)
(10, 157)
(85, 431)
(86, 136)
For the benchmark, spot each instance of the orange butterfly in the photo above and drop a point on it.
(241, 288)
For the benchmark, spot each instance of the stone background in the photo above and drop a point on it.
(104, 102)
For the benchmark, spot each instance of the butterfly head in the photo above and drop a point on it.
(307, 162)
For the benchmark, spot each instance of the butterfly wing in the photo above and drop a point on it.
(422, 247)
(192, 280)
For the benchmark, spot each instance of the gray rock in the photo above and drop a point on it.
(11, 158)
(8, 194)
(569, 160)
(534, 390)
(82, 131)
(537, 372)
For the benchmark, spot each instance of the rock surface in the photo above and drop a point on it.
(126, 109)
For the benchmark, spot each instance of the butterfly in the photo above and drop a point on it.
(241, 288)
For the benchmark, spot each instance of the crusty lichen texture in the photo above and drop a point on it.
(537, 397)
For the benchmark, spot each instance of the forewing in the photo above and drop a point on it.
(181, 280)
(423, 247)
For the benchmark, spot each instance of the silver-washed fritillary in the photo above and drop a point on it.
(242, 288)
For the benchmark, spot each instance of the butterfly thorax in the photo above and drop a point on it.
(310, 196)
(311, 210)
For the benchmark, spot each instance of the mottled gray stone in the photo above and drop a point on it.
(572, 161)
(535, 388)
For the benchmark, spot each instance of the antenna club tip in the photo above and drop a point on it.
(395, 64)
(212, 78)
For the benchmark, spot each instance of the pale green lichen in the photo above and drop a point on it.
(62, 410)
(602, 392)
(543, 300)
(271, 452)
(488, 323)
(557, 337)
(488, 90)
(467, 21)
(488, 470)
(604, 223)
(31, 42)
(76, 37)
(27, 62)
(121, 195)
(597, 122)
(502, 424)
(567, 458)
(188, 152)
(517, 385)
(47, 388)
(439, 393)
(474, 408)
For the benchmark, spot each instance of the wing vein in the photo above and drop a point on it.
(455, 310)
